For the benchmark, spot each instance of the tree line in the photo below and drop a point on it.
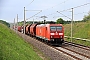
(5, 23)
(58, 21)
(85, 19)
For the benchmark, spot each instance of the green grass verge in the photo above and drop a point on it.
(12, 47)
(80, 30)
(82, 42)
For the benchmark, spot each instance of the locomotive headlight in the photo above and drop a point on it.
(60, 36)
(52, 33)
(51, 36)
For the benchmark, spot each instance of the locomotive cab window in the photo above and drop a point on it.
(52, 28)
(55, 28)
(59, 28)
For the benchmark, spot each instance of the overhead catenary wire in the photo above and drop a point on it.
(67, 15)
(47, 8)
(69, 9)
(32, 10)
(55, 5)
(34, 15)
(30, 3)
(61, 11)
(60, 3)
(81, 5)
(64, 15)
(27, 5)
(78, 13)
(75, 7)
(51, 14)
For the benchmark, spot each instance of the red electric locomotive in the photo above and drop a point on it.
(53, 33)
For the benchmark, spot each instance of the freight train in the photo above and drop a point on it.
(50, 33)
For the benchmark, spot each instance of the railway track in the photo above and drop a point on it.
(76, 55)
(64, 50)
(77, 45)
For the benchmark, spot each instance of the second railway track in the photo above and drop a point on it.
(72, 53)
(77, 45)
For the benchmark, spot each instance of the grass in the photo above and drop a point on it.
(82, 42)
(12, 47)
(80, 30)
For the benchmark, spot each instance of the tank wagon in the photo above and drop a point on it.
(28, 29)
(19, 28)
(33, 30)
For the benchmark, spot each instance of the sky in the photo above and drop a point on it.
(34, 9)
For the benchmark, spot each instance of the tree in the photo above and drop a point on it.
(86, 17)
(60, 21)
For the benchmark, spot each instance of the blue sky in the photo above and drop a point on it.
(10, 8)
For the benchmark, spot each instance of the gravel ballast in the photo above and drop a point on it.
(47, 50)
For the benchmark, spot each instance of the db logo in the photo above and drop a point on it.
(56, 33)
